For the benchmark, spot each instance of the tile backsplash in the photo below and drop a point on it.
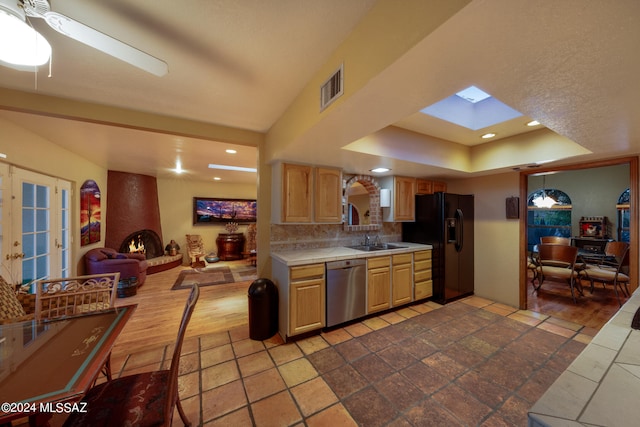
(308, 236)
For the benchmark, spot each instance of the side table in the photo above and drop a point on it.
(230, 246)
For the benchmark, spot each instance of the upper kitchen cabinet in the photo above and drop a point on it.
(328, 195)
(403, 191)
(425, 186)
(306, 194)
(295, 193)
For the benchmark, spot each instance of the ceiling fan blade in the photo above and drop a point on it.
(105, 43)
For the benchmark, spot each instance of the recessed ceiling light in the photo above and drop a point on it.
(178, 168)
(488, 135)
(232, 168)
(533, 123)
(216, 178)
(380, 170)
(230, 151)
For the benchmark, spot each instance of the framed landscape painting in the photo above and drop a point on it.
(210, 210)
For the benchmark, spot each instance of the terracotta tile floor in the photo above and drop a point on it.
(472, 362)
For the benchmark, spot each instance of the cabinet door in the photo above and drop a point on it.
(307, 306)
(328, 195)
(404, 200)
(439, 186)
(401, 281)
(424, 186)
(378, 289)
(296, 193)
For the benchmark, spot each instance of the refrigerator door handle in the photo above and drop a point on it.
(459, 230)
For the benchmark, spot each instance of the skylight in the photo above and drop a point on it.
(473, 94)
(472, 108)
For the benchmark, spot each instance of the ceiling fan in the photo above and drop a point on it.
(12, 10)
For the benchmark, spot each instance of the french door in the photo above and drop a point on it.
(34, 225)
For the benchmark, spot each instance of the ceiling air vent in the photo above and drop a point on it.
(332, 88)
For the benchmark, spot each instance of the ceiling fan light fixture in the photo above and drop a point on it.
(20, 44)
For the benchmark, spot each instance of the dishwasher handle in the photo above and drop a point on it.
(347, 263)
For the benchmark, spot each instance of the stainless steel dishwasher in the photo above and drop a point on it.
(346, 290)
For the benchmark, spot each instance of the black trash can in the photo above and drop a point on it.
(263, 309)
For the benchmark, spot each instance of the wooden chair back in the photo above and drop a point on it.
(177, 349)
(555, 240)
(618, 250)
(75, 295)
(557, 255)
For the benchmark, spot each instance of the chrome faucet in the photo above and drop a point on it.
(367, 240)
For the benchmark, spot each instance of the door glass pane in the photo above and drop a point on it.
(28, 270)
(42, 220)
(42, 198)
(42, 267)
(28, 220)
(28, 195)
(42, 244)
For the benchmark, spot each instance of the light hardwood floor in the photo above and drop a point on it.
(157, 316)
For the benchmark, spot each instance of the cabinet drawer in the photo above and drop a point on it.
(307, 271)
(422, 265)
(420, 276)
(402, 259)
(423, 289)
(422, 255)
(377, 262)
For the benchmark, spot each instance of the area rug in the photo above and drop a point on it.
(214, 276)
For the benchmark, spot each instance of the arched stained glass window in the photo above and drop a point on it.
(548, 214)
(624, 216)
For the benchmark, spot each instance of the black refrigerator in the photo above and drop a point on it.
(445, 221)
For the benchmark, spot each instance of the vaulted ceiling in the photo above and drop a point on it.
(243, 74)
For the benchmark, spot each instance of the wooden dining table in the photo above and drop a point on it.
(47, 366)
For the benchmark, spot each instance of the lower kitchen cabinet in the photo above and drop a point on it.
(378, 283)
(401, 279)
(423, 285)
(301, 298)
(306, 298)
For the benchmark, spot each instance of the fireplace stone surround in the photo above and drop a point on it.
(132, 210)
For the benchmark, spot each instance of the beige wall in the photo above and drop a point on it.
(27, 150)
(175, 197)
(497, 239)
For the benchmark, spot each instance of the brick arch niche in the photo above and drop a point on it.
(375, 211)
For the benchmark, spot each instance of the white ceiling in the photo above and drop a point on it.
(573, 65)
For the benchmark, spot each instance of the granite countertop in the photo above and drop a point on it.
(307, 256)
(602, 385)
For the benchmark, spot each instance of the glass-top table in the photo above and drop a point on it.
(55, 361)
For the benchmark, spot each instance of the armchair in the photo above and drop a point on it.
(106, 260)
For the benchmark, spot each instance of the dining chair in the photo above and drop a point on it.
(608, 269)
(555, 240)
(558, 262)
(71, 296)
(144, 399)
(75, 295)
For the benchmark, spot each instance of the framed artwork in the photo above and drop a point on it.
(90, 213)
(210, 210)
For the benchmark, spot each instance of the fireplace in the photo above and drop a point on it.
(143, 241)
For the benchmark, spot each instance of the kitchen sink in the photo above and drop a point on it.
(379, 247)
